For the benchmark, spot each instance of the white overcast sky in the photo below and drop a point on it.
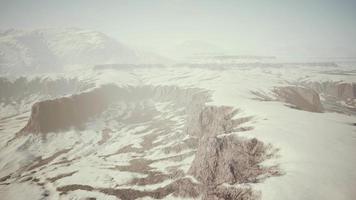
(268, 27)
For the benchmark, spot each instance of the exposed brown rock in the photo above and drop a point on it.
(300, 97)
(229, 160)
(44, 161)
(214, 120)
(181, 187)
(62, 113)
(231, 193)
(105, 135)
(343, 91)
(60, 176)
(337, 96)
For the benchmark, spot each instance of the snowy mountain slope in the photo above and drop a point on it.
(145, 145)
(48, 50)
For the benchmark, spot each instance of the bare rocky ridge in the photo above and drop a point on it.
(346, 91)
(302, 98)
(228, 159)
(339, 96)
(338, 90)
(336, 96)
(223, 158)
(315, 96)
(15, 91)
(63, 113)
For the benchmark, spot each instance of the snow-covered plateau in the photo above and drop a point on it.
(117, 129)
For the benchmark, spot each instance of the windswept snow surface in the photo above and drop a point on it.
(143, 144)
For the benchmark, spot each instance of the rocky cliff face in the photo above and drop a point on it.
(344, 91)
(337, 96)
(228, 159)
(337, 90)
(224, 160)
(62, 113)
(300, 97)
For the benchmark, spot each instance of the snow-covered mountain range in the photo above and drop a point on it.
(48, 50)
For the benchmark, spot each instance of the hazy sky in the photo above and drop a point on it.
(268, 27)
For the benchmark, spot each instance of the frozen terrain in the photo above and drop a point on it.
(54, 50)
(199, 130)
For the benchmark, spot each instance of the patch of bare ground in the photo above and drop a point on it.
(65, 161)
(155, 177)
(138, 165)
(129, 148)
(105, 135)
(178, 157)
(41, 162)
(35, 166)
(189, 143)
(60, 176)
(182, 187)
(2, 179)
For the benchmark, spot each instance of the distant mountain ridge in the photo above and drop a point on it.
(43, 50)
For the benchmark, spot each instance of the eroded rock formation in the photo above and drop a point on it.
(299, 97)
(228, 159)
(62, 113)
(345, 91)
(337, 96)
(223, 160)
(339, 90)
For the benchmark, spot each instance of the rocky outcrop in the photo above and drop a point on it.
(62, 113)
(337, 90)
(214, 120)
(73, 111)
(343, 91)
(302, 98)
(299, 97)
(22, 88)
(337, 96)
(228, 160)
(224, 160)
